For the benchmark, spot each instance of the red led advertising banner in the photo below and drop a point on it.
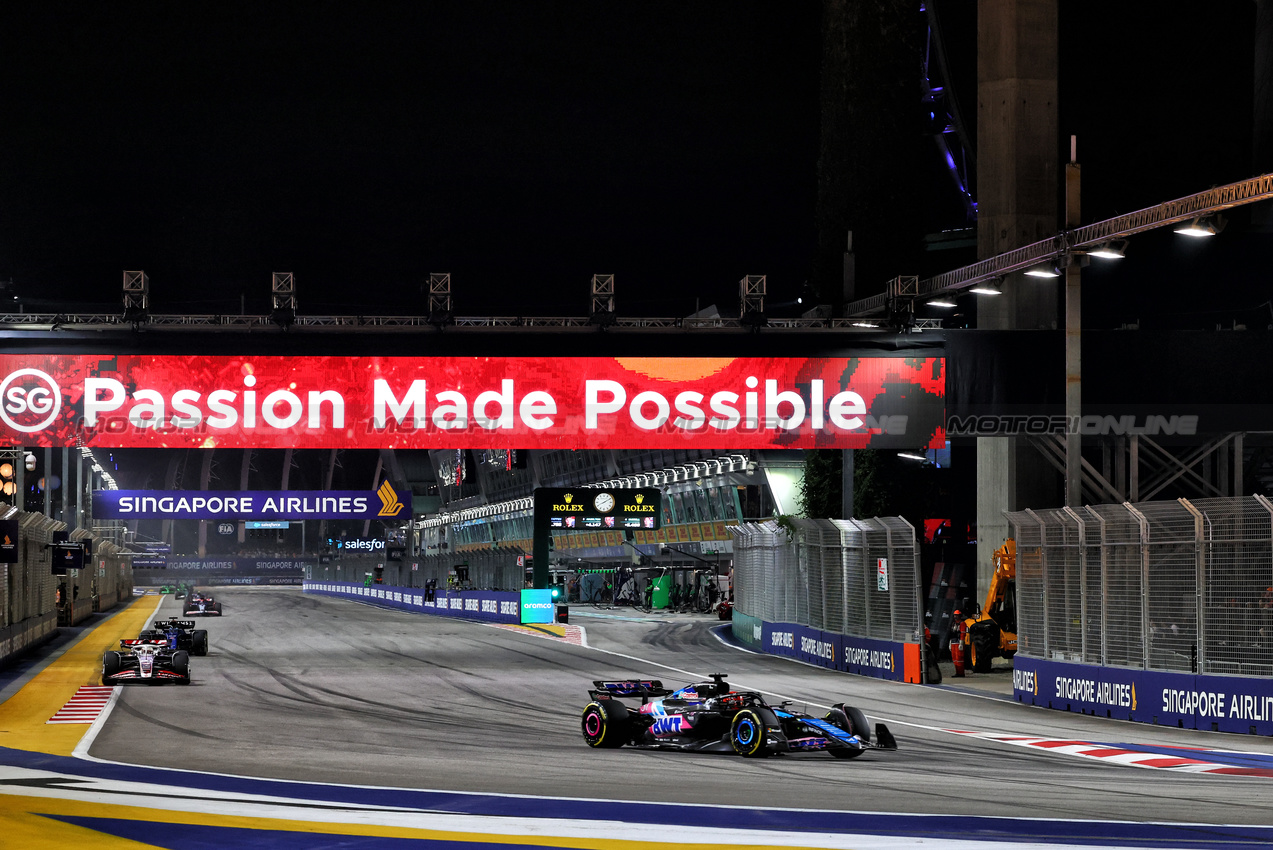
(171, 401)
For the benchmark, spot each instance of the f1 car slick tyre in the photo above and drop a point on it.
(199, 642)
(747, 734)
(181, 665)
(110, 663)
(605, 724)
(984, 637)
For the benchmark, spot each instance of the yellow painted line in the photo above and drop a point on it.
(547, 629)
(24, 828)
(23, 715)
(24, 821)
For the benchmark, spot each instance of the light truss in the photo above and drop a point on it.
(235, 322)
(751, 294)
(439, 294)
(1215, 200)
(602, 293)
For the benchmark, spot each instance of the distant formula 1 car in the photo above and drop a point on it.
(711, 717)
(145, 661)
(200, 604)
(177, 634)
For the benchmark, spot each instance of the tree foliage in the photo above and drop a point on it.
(822, 488)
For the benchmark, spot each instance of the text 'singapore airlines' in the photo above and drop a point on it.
(472, 402)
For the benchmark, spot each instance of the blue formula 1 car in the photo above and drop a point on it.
(712, 717)
(178, 634)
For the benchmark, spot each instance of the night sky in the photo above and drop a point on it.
(523, 147)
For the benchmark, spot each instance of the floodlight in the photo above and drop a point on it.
(1202, 226)
(1047, 269)
(1113, 250)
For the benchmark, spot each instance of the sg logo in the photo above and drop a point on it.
(29, 400)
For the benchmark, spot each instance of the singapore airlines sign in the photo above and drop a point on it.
(383, 503)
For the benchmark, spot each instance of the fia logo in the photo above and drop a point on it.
(29, 400)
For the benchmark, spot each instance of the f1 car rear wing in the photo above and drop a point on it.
(174, 623)
(643, 688)
(127, 642)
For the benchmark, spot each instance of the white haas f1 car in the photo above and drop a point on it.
(151, 661)
(711, 717)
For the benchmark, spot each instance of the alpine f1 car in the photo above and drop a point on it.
(145, 661)
(712, 717)
(177, 634)
(200, 604)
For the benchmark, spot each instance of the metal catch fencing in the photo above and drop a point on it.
(826, 574)
(1184, 586)
(494, 569)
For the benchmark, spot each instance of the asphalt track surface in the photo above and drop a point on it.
(309, 688)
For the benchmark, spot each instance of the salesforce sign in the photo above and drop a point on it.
(538, 606)
(361, 544)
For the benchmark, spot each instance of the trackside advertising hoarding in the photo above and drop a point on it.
(494, 606)
(538, 606)
(880, 659)
(1212, 703)
(124, 400)
(383, 503)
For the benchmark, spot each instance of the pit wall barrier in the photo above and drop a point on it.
(491, 606)
(19, 637)
(34, 602)
(1240, 704)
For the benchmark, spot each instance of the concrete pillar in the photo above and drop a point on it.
(20, 479)
(1262, 137)
(1018, 157)
(327, 485)
(375, 482)
(245, 467)
(846, 484)
(1017, 146)
(205, 481)
(48, 482)
(1239, 464)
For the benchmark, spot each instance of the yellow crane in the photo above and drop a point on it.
(993, 630)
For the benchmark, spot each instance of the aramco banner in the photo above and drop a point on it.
(383, 503)
(471, 402)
